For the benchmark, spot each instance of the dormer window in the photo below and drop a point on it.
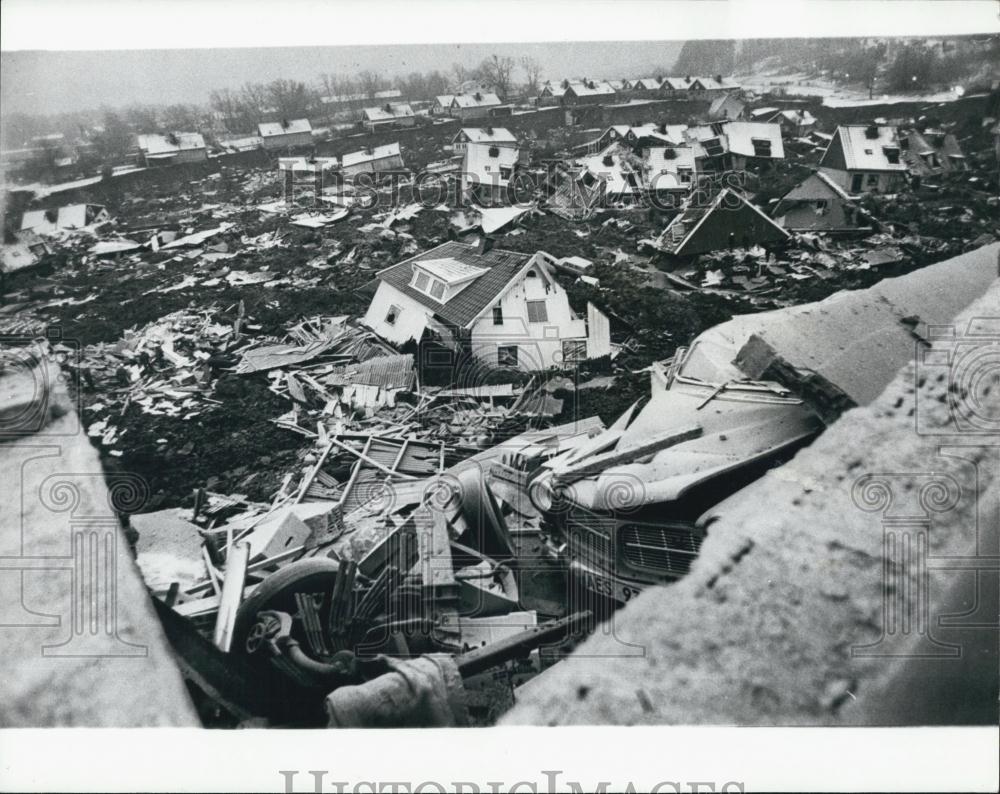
(437, 289)
(421, 281)
(891, 154)
(442, 279)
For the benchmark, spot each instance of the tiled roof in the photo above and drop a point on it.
(461, 310)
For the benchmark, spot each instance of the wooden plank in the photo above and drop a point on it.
(371, 461)
(618, 457)
(231, 597)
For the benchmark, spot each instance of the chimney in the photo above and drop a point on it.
(608, 160)
(388, 108)
(479, 97)
(687, 78)
(485, 245)
(718, 78)
(871, 132)
(489, 131)
(284, 124)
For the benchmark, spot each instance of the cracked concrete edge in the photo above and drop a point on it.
(770, 626)
(70, 657)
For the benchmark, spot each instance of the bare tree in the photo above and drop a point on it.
(227, 104)
(497, 71)
(290, 98)
(532, 74)
(370, 82)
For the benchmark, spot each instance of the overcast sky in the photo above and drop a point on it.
(51, 82)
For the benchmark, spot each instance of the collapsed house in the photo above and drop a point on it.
(502, 307)
(795, 123)
(285, 134)
(172, 148)
(639, 136)
(373, 160)
(818, 204)
(728, 221)
(72, 216)
(736, 145)
(932, 153)
(865, 158)
(728, 107)
(487, 171)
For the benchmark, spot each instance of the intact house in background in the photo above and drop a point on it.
(580, 92)
(72, 216)
(374, 160)
(865, 158)
(729, 221)
(498, 136)
(503, 307)
(818, 204)
(391, 114)
(477, 105)
(487, 170)
(171, 148)
(285, 134)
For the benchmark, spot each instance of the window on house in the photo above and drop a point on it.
(891, 154)
(821, 204)
(421, 281)
(685, 174)
(574, 350)
(392, 315)
(505, 172)
(537, 312)
(868, 151)
(761, 147)
(532, 274)
(437, 289)
(856, 183)
(507, 355)
(872, 180)
(497, 315)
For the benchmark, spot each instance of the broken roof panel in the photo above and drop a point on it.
(864, 147)
(730, 220)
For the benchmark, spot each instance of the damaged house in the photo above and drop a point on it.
(171, 148)
(487, 171)
(865, 158)
(373, 160)
(728, 107)
(503, 307)
(391, 114)
(285, 134)
(639, 136)
(728, 221)
(818, 204)
(796, 123)
(931, 153)
(497, 136)
(72, 216)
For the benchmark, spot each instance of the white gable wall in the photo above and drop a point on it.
(539, 344)
(411, 319)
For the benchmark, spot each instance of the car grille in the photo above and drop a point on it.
(590, 544)
(667, 551)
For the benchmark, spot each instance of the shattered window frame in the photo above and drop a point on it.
(507, 356)
(393, 314)
(574, 350)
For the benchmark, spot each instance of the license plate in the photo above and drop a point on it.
(607, 586)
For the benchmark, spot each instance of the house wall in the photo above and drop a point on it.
(286, 140)
(410, 322)
(471, 113)
(539, 344)
(804, 216)
(374, 166)
(888, 181)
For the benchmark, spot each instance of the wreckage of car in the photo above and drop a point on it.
(630, 507)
